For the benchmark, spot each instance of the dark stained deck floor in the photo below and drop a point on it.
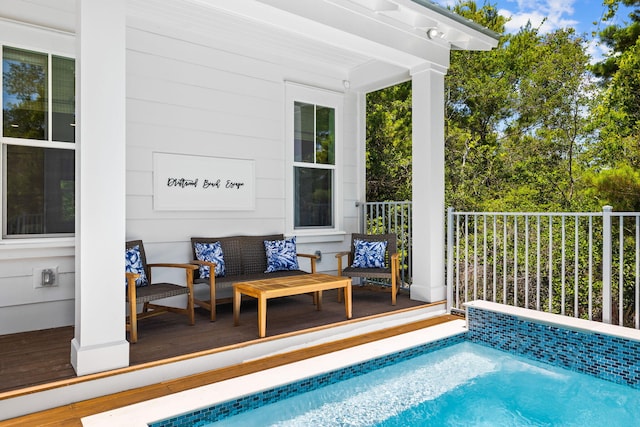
(40, 357)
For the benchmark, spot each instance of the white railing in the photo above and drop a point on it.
(585, 265)
(392, 217)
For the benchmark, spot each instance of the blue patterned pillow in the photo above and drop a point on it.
(210, 252)
(369, 254)
(133, 264)
(281, 255)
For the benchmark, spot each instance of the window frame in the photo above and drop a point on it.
(319, 97)
(40, 41)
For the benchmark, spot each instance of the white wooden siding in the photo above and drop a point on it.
(213, 95)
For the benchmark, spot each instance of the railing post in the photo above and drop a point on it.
(606, 264)
(450, 258)
(362, 214)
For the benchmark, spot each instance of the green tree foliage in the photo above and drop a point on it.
(477, 101)
(614, 155)
(617, 38)
(389, 143)
(515, 122)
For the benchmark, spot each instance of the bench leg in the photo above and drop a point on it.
(262, 316)
(237, 299)
(347, 301)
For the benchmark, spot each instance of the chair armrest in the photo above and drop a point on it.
(395, 260)
(172, 265)
(189, 268)
(131, 278)
(198, 262)
(395, 265)
(131, 285)
(312, 259)
(340, 256)
(212, 281)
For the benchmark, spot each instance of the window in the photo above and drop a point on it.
(38, 150)
(314, 129)
(314, 165)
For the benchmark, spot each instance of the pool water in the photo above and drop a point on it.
(462, 385)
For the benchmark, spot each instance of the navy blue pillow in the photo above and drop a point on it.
(368, 254)
(281, 255)
(133, 264)
(210, 252)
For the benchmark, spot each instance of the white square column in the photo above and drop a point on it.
(428, 236)
(100, 343)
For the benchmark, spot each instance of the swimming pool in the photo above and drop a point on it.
(603, 351)
(464, 384)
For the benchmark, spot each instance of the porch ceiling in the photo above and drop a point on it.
(369, 43)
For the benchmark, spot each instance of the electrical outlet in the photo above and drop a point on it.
(45, 277)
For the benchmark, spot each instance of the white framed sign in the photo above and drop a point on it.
(188, 182)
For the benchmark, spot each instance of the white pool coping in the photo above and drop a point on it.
(144, 413)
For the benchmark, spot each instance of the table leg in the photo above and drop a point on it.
(237, 298)
(262, 316)
(319, 300)
(347, 300)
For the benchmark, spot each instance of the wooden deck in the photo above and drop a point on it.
(41, 357)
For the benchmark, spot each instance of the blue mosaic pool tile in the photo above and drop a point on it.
(246, 403)
(610, 358)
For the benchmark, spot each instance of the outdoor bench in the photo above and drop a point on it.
(244, 259)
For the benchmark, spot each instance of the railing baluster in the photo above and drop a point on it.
(450, 258)
(590, 268)
(457, 235)
(484, 257)
(495, 257)
(515, 260)
(562, 267)
(637, 299)
(526, 261)
(550, 264)
(538, 269)
(410, 241)
(475, 257)
(576, 266)
(466, 258)
(504, 257)
(621, 274)
(606, 264)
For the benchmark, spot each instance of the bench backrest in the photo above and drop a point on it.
(242, 254)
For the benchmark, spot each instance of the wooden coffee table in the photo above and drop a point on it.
(287, 286)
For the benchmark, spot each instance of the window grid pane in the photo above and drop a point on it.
(63, 99)
(24, 94)
(40, 190)
(304, 133)
(313, 202)
(325, 135)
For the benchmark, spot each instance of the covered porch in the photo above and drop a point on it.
(219, 80)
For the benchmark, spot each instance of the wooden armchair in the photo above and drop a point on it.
(390, 270)
(155, 291)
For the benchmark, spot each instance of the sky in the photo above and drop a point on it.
(579, 14)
